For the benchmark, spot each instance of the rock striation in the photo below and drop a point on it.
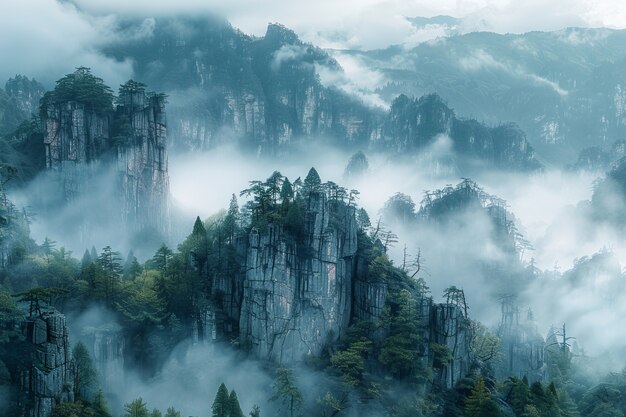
(120, 151)
(270, 93)
(297, 298)
(45, 375)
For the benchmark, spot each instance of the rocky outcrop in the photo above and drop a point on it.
(523, 347)
(18, 101)
(449, 327)
(413, 124)
(84, 141)
(297, 296)
(106, 345)
(45, 379)
(142, 161)
(271, 92)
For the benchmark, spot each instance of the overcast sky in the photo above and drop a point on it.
(45, 38)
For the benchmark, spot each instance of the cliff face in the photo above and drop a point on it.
(74, 139)
(82, 142)
(226, 86)
(45, 378)
(297, 298)
(523, 348)
(18, 101)
(142, 162)
(412, 124)
(268, 93)
(106, 345)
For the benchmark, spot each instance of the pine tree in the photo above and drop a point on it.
(132, 268)
(400, 348)
(156, 413)
(312, 180)
(99, 405)
(136, 408)
(172, 412)
(199, 243)
(84, 373)
(363, 219)
(232, 218)
(161, 259)
(221, 404)
(235, 408)
(479, 403)
(87, 260)
(286, 390)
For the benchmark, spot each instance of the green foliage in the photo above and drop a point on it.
(83, 370)
(363, 219)
(479, 403)
(233, 404)
(312, 180)
(286, 391)
(73, 409)
(82, 87)
(221, 404)
(604, 400)
(156, 413)
(172, 412)
(399, 208)
(99, 405)
(351, 362)
(400, 352)
(136, 408)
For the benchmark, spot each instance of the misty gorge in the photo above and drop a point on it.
(360, 209)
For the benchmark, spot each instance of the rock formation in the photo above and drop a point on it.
(268, 93)
(45, 374)
(18, 101)
(297, 298)
(83, 138)
(523, 348)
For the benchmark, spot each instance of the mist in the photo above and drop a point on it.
(549, 208)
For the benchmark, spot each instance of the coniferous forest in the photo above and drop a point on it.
(201, 219)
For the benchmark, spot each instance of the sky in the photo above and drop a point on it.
(44, 38)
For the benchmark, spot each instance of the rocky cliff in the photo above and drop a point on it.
(523, 348)
(297, 298)
(413, 124)
(43, 371)
(271, 92)
(18, 101)
(85, 135)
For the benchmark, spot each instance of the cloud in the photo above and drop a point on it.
(355, 78)
(287, 53)
(370, 24)
(47, 39)
(480, 59)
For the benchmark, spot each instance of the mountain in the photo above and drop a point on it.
(100, 154)
(18, 101)
(267, 94)
(413, 124)
(565, 89)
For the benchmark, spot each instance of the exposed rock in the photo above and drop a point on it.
(297, 298)
(268, 93)
(45, 379)
(18, 101)
(82, 142)
(106, 345)
(448, 326)
(523, 347)
(413, 124)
